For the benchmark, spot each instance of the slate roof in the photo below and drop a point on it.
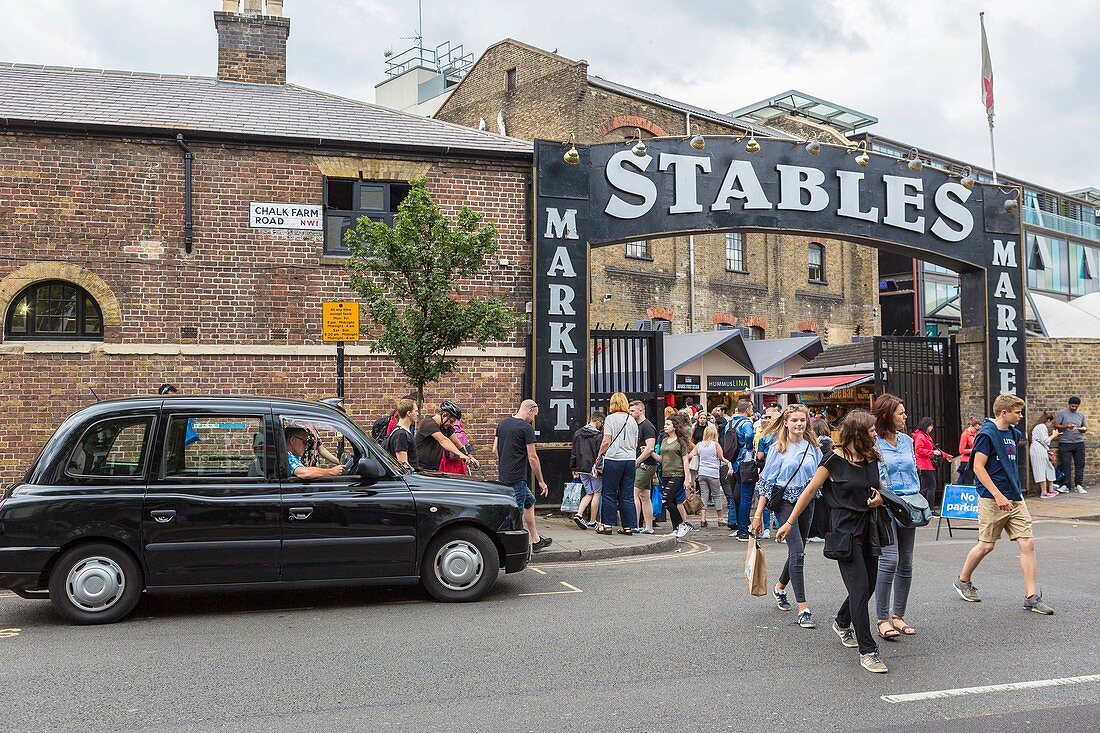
(130, 101)
(842, 359)
(768, 353)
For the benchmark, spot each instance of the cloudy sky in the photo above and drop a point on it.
(914, 65)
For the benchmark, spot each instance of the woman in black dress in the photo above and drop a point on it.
(849, 479)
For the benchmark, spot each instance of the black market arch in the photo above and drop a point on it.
(614, 195)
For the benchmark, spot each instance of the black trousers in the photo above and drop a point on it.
(928, 484)
(859, 575)
(671, 491)
(1075, 453)
(966, 473)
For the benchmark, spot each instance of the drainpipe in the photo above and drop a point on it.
(188, 156)
(691, 252)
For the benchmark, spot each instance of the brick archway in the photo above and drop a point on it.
(626, 121)
(16, 281)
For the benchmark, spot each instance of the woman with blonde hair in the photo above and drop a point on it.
(618, 451)
(708, 482)
(1042, 470)
(788, 469)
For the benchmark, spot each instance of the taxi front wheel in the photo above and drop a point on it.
(95, 583)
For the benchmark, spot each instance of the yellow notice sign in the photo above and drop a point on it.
(340, 321)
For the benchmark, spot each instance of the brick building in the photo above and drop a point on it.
(773, 285)
(106, 286)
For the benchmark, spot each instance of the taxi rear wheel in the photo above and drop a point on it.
(95, 583)
(460, 565)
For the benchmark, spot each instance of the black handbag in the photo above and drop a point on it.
(884, 526)
(775, 500)
(838, 546)
(749, 471)
(598, 468)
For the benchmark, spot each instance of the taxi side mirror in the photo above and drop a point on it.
(371, 468)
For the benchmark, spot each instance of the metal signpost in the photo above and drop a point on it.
(340, 323)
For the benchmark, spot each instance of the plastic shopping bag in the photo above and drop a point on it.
(571, 498)
(755, 571)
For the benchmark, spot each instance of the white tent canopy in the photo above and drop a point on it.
(1078, 318)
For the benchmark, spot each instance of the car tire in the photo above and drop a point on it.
(460, 565)
(96, 583)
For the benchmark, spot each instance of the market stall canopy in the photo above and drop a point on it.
(796, 384)
(1078, 318)
(756, 355)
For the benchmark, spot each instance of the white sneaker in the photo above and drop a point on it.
(767, 534)
(872, 663)
(1081, 489)
(1061, 489)
(682, 530)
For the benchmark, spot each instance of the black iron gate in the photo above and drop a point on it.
(631, 362)
(924, 373)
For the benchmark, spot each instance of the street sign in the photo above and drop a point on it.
(340, 321)
(959, 502)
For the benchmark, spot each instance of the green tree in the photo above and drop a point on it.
(408, 275)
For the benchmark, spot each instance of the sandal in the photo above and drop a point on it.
(625, 530)
(904, 627)
(891, 633)
(603, 529)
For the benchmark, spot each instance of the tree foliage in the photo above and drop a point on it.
(408, 277)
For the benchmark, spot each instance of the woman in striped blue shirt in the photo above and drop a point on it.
(789, 467)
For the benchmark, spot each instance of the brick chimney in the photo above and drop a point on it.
(252, 41)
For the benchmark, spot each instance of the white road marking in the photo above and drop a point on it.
(1009, 687)
(7, 594)
(572, 589)
(540, 572)
(9, 633)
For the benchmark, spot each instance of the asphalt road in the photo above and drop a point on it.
(660, 643)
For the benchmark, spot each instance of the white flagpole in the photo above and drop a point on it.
(987, 73)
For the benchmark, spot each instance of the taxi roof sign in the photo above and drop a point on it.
(340, 321)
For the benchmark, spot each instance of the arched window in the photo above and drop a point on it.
(817, 262)
(753, 333)
(53, 310)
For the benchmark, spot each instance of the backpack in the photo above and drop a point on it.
(378, 427)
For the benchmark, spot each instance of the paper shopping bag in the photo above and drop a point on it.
(755, 571)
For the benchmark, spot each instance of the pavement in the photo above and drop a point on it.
(652, 643)
(572, 544)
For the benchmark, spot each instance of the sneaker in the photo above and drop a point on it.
(682, 530)
(643, 530)
(591, 525)
(1081, 489)
(1062, 489)
(966, 591)
(767, 534)
(847, 636)
(1035, 603)
(817, 539)
(690, 527)
(872, 663)
(806, 620)
(781, 601)
(741, 536)
(579, 521)
(542, 544)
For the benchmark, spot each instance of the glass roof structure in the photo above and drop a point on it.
(807, 105)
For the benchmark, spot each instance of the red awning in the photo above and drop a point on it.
(790, 385)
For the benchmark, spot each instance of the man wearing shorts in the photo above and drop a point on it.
(646, 464)
(514, 449)
(1001, 506)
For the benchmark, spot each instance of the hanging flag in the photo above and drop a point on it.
(987, 73)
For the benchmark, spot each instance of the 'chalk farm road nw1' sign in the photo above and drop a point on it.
(285, 216)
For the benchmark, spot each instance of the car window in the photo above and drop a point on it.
(214, 446)
(111, 448)
(325, 444)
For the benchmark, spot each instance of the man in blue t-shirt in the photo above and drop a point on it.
(1001, 506)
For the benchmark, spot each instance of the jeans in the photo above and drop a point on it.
(859, 575)
(1075, 453)
(794, 568)
(672, 487)
(710, 491)
(895, 572)
(617, 501)
(732, 489)
(748, 495)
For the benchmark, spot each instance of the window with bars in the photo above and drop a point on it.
(638, 250)
(735, 252)
(52, 310)
(816, 254)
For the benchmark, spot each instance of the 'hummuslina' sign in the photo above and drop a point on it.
(614, 195)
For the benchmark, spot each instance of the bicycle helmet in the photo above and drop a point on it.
(451, 409)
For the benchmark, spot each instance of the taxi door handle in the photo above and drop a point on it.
(163, 516)
(300, 512)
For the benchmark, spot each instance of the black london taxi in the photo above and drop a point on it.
(152, 494)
